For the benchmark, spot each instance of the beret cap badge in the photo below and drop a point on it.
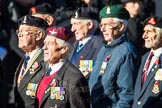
(25, 18)
(152, 21)
(76, 14)
(52, 32)
(108, 10)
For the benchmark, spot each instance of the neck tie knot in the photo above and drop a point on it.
(79, 47)
(48, 72)
(26, 61)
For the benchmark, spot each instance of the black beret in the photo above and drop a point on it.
(44, 8)
(33, 21)
(154, 21)
(86, 13)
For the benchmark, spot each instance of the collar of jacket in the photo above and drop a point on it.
(116, 42)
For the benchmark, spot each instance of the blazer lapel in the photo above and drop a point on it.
(85, 51)
(17, 72)
(28, 76)
(150, 76)
(59, 78)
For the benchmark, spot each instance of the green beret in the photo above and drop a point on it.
(114, 11)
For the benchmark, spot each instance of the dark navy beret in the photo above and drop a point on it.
(86, 13)
(44, 8)
(154, 21)
(33, 21)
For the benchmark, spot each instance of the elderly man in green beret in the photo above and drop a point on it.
(112, 80)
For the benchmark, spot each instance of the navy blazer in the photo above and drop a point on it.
(22, 100)
(150, 95)
(76, 89)
(89, 51)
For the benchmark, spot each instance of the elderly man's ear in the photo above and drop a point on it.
(39, 35)
(90, 25)
(50, 20)
(121, 26)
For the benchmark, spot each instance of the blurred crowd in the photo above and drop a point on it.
(61, 13)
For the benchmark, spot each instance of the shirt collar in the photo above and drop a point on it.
(56, 67)
(157, 52)
(85, 40)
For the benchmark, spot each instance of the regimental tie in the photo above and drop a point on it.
(146, 67)
(25, 64)
(79, 47)
(48, 72)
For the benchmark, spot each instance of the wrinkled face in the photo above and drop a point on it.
(80, 28)
(27, 37)
(133, 8)
(52, 51)
(110, 29)
(151, 37)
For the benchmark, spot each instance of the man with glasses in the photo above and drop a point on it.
(87, 44)
(31, 34)
(112, 80)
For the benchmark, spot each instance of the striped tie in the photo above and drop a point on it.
(146, 67)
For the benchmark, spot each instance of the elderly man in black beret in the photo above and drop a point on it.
(31, 34)
(112, 80)
(88, 42)
(148, 92)
(63, 85)
(44, 11)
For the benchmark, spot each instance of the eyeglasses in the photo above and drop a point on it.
(107, 25)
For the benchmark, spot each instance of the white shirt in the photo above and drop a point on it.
(56, 67)
(157, 53)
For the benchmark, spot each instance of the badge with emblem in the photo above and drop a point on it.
(57, 93)
(155, 88)
(24, 21)
(31, 89)
(76, 15)
(103, 67)
(108, 10)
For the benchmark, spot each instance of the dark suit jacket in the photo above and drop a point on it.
(89, 51)
(150, 95)
(22, 100)
(76, 89)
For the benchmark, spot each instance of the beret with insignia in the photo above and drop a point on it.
(59, 32)
(86, 13)
(33, 21)
(44, 8)
(154, 21)
(114, 11)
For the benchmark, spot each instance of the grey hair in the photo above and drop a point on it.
(117, 21)
(63, 43)
(95, 24)
(159, 31)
